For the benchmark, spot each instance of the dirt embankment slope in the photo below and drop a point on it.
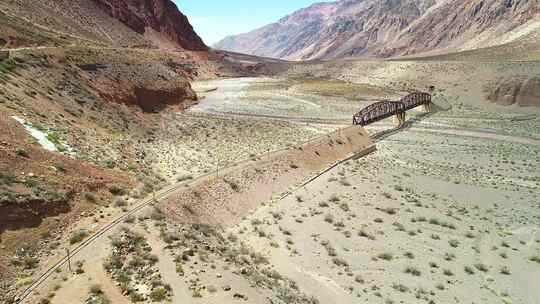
(226, 199)
(42, 193)
(99, 126)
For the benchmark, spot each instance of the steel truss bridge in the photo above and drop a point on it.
(384, 109)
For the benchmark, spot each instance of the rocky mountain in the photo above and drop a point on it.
(159, 16)
(386, 28)
(124, 23)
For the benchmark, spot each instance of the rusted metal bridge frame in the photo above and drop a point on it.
(384, 109)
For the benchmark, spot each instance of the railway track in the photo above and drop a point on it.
(165, 193)
(74, 251)
(159, 196)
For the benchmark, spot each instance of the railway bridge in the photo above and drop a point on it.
(384, 109)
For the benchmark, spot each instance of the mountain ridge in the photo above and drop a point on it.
(117, 23)
(388, 28)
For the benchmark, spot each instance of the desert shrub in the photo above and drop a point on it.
(135, 296)
(448, 272)
(364, 234)
(481, 267)
(157, 215)
(535, 258)
(60, 167)
(7, 66)
(233, 184)
(158, 294)
(399, 226)
(184, 178)
(117, 190)
(434, 221)
(400, 287)
(340, 262)
(470, 235)
(345, 182)
(26, 262)
(120, 202)
(449, 256)
(409, 255)
(90, 197)
(334, 198)
(329, 218)
(130, 219)
(413, 271)
(469, 270)
(77, 236)
(95, 289)
(505, 270)
(454, 243)
(340, 224)
(22, 153)
(324, 205)
(386, 256)
(389, 211)
(196, 294)
(344, 207)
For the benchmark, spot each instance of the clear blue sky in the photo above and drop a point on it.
(215, 19)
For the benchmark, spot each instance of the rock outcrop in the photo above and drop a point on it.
(152, 97)
(160, 16)
(149, 86)
(521, 92)
(386, 28)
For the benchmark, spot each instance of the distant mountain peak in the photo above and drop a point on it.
(386, 28)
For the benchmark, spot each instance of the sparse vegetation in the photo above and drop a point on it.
(385, 256)
(413, 271)
(77, 236)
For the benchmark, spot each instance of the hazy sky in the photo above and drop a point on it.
(215, 19)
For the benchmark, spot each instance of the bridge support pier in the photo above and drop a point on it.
(399, 119)
(427, 107)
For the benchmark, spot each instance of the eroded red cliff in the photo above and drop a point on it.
(161, 16)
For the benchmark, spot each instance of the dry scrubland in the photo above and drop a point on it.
(445, 211)
(440, 219)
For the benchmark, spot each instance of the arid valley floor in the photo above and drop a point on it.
(446, 210)
(354, 151)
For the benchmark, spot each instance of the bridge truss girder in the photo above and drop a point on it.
(384, 109)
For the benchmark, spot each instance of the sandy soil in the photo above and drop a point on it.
(446, 211)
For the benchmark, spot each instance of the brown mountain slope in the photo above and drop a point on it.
(125, 23)
(375, 28)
